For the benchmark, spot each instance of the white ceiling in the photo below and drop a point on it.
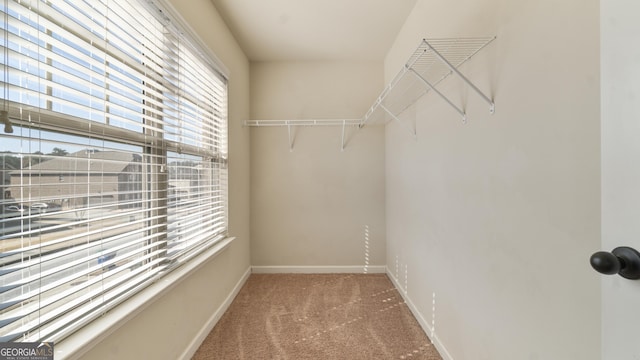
(307, 30)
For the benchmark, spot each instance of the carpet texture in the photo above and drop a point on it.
(317, 316)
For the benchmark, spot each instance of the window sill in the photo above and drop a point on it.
(76, 345)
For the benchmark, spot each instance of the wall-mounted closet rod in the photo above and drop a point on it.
(431, 62)
(305, 122)
(343, 123)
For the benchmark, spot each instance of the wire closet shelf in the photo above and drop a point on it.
(432, 61)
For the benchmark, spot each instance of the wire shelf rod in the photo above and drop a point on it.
(432, 61)
(303, 122)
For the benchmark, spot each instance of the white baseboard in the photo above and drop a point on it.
(355, 269)
(213, 320)
(421, 320)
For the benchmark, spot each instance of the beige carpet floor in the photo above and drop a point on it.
(317, 316)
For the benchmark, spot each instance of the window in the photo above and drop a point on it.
(113, 162)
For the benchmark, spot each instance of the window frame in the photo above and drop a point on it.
(157, 149)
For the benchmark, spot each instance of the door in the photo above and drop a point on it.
(620, 148)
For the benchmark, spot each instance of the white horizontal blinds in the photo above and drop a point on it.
(195, 127)
(83, 229)
(116, 169)
(196, 121)
(196, 204)
(97, 72)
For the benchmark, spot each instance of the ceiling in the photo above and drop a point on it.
(315, 30)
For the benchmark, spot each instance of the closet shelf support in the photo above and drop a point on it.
(290, 140)
(432, 62)
(432, 87)
(492, 106)
(394, 117)
(344, 125)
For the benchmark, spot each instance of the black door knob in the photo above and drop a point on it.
(605, 263)
(623, 260)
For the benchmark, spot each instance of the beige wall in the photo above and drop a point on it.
(311, 206)
(495, 220)
(165, 329)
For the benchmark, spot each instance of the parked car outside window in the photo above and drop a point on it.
(41, 207)
(15, 210)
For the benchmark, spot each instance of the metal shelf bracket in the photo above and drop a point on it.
(492, 105)
(291, 140)
(394, 117)
(432, 87)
